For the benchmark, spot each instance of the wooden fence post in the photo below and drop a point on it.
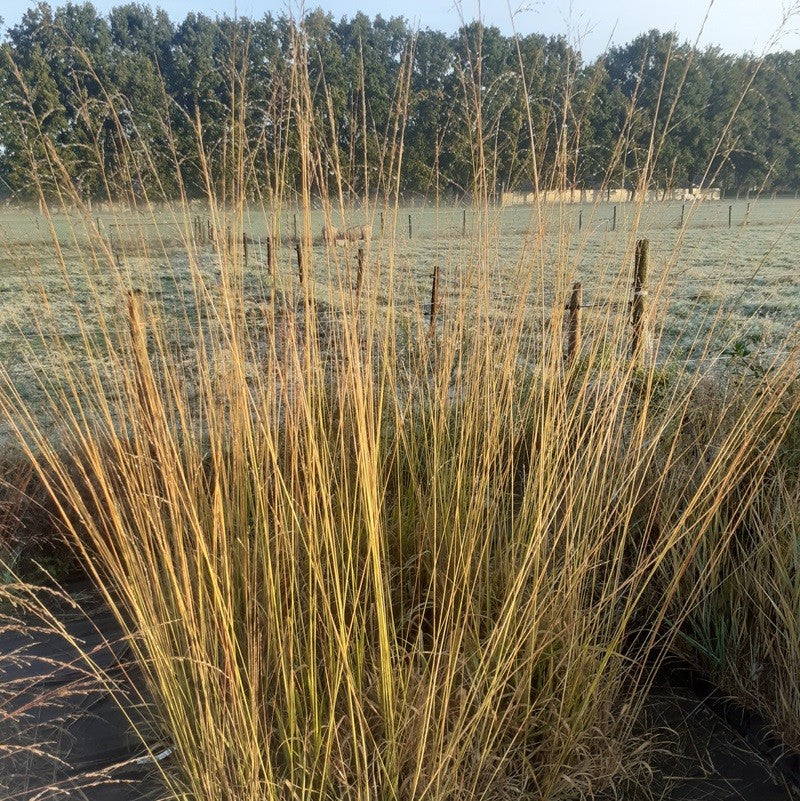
(639, 344)
(730, 215)
(300, 267)
(244, 247)
(464, 223)
(434, 310)
(270, 257)
(409, 226)
(359, 274)
(575, 322)
(580, 219)
(683, 213)
(614, 220)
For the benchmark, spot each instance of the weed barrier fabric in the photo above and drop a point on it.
(63, 731)
(704, 754)
(749, 726)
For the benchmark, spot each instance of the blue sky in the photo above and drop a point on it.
(735, 25)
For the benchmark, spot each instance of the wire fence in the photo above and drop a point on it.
(431, 292)
(444, 223)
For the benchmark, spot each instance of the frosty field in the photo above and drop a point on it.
(743, 282)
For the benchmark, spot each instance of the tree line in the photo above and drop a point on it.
(133, 102)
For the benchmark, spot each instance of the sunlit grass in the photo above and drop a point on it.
(363, 555)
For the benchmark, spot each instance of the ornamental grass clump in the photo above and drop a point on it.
(360, 553)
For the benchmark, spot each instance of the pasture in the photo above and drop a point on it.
(736, 287)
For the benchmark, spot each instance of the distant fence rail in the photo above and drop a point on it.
(685, 194)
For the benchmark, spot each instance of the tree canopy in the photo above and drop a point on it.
(132, 100)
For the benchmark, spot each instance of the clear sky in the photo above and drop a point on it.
(735, 25)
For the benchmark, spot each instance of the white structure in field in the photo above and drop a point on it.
(609, 195)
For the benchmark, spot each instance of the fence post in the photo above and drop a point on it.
(300, 267)
(575, 321)
(434, 310)
(683, 212)
(359, 274)
(244, 247)
(464, 223)
(730, 214)
(409, 226)
(639, 338)
(270, 257)
(580, 219)
(614, 220)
